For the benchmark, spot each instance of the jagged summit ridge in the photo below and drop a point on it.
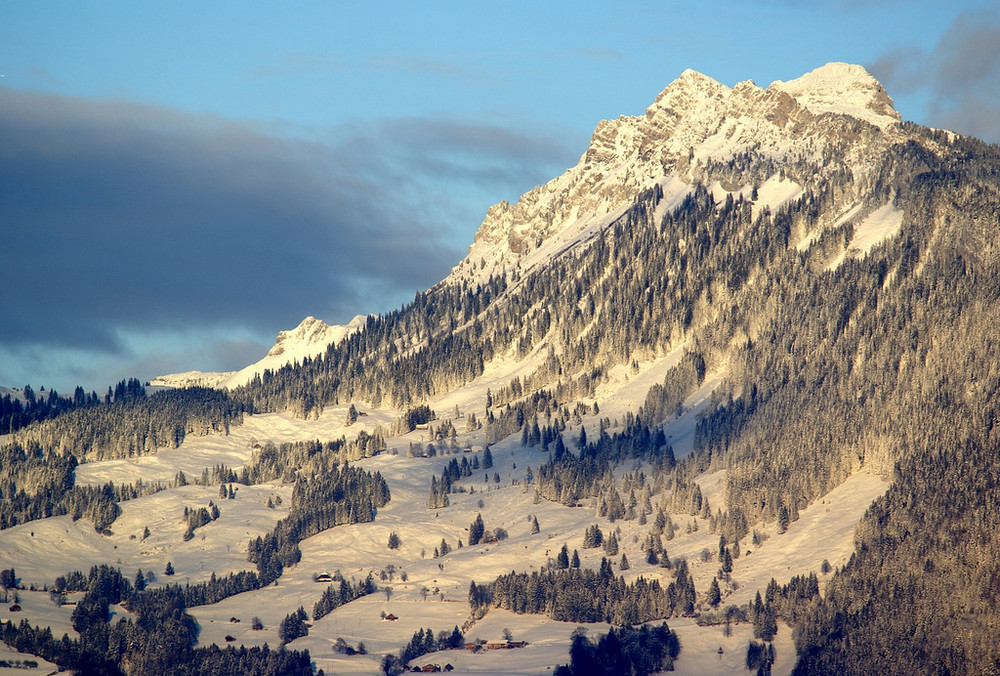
(692, 123)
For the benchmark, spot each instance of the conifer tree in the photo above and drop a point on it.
(562, 560)
(714, 593)
(611, 545)
(476, 530)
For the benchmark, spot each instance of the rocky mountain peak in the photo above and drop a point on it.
(694, 123)
(692, 89)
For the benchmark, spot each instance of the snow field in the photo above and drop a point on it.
(38, 608)
(881, 224)
(8, 654)
(359, 549)
(235, 450)
(40, 551)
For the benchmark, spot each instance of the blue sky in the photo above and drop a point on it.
(179, 182)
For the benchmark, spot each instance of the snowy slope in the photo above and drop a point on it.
(13, 392)
(878, 226)
(191, 379)
(309, 339)
(41, 550)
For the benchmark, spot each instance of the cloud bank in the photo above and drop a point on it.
(959, 75)
(127, 220)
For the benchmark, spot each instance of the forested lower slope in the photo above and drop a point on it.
(888, 362)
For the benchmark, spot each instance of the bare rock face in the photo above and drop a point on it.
(834, 118)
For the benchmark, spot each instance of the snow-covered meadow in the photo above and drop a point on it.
(419, 589)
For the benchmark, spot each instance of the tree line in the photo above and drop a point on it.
(583, 595)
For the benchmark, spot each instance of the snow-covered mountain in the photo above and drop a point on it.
(310, 338)
(695, 122)
(750, 335)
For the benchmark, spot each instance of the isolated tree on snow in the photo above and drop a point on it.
(714, 593)
(476, 530)
(727, 561)
(562, 560)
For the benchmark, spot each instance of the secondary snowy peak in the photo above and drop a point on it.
(842, 88)
(309, 339)
(311, 332)
(191, 379)
(695, 125)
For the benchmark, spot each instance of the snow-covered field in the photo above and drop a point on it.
(11, 656)
(426, 592)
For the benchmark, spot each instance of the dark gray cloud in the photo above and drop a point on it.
(122, 219)
(958, 76)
